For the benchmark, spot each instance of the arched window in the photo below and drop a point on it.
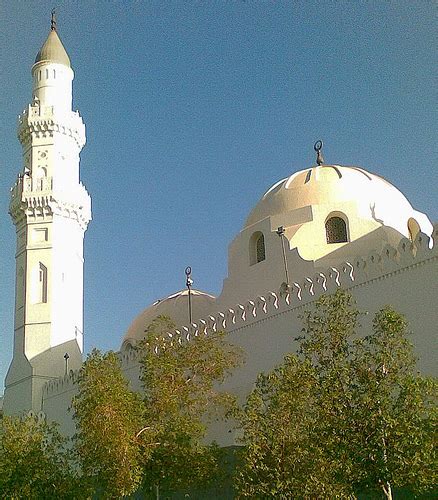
(257, 252)
(336, 230)
(260, 248)
(42, 275)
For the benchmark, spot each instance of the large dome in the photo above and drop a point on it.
(176, 307)
(339, 185)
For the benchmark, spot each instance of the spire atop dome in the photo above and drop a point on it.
(317, 147)
(53, 20)
(53, 50)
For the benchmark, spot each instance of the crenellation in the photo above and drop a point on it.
(361, 272)
(60, 384)
(321, 280)
(333, 279)
(422, 244)
(374, 266)
(43, 122)
(308, 286)
(405, 251)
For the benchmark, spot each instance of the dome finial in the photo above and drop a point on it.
(52, 50)
(53, 20)
(189, 283)
(317, 147)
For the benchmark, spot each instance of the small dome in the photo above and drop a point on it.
(339, 185)
(53, 51)
(176, 307)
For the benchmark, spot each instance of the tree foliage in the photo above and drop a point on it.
(154, 440)
(180, 381)
(395, 442)
(34, 462)
(108, 416)
(345, 414)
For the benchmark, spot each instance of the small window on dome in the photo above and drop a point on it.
(257, 251)
(260, 248)
(336, 230)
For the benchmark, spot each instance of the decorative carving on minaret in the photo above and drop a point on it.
(43, 122)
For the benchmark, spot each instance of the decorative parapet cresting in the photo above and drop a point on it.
(61, 384)
(346, 275)
(42, 122)
(254, 310)
(35, 198)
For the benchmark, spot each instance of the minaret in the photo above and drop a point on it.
(50, 209)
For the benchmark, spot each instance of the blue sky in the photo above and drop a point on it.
(194, 108)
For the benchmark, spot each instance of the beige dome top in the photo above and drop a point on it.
(176, 307)
(53, 51)
(338, 184)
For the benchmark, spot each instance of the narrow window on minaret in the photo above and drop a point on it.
(43, 283)
(54, 73)
(47, 73)
(19, 300)
(39, 284)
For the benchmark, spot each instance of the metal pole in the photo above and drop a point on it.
(66, 357)
(280, 232)
(189, 283)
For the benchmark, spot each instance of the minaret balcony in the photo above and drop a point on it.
(43, 121)
(25, 184)
(28, 195)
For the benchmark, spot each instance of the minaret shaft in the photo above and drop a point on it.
(51, 210)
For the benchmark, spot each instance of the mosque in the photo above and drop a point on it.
(323, 227)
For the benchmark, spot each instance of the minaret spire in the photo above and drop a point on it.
(53, 20)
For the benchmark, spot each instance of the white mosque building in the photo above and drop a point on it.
(323, 227)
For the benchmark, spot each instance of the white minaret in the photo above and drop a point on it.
(50, 209)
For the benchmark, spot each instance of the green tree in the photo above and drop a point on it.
(34, 462)
(108, 417)
(281, 459)
(395, 443)
(181, 381)
(126, 440)
(345, 414)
